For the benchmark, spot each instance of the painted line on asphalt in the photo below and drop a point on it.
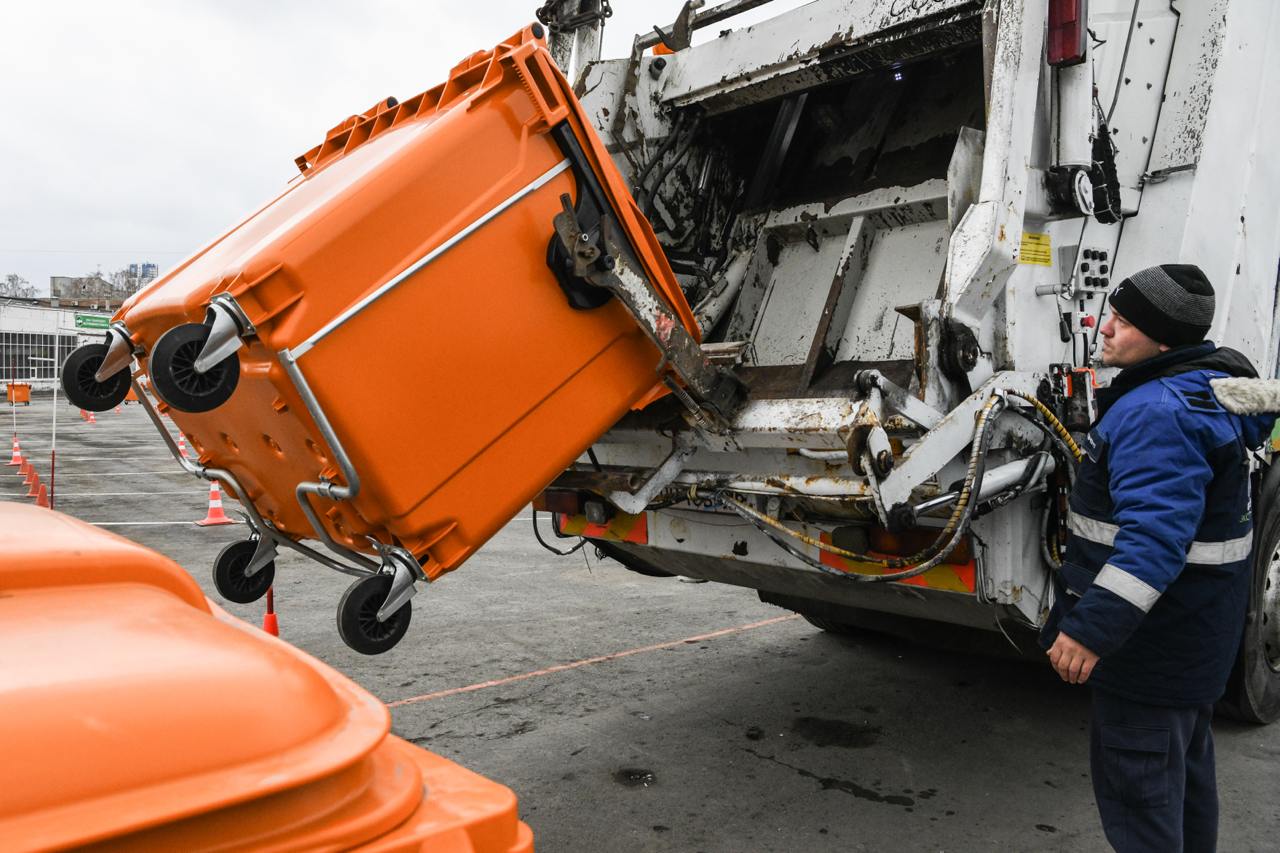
(120, 473)
(551, 670)
(160, 458)
(202, 495)
(146, 523)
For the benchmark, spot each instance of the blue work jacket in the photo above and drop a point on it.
(1156, 573)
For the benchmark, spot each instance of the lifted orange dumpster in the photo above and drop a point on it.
(456, 297)
(136, 716)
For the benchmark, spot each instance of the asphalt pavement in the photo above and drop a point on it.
(631, 713)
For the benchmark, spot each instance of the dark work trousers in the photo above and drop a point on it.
(1153, 776)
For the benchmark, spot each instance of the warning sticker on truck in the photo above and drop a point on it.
(1036, 249)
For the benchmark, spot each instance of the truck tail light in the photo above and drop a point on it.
(1068, 29)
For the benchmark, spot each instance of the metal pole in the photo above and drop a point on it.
(53, 437)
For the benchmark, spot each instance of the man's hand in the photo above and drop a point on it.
(1073, 661)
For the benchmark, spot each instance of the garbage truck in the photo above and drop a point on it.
(853, 260)
(889, 214)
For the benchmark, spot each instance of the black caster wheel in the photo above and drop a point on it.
(82, 389)
(229, 577)
(174, 376)
(358, 624)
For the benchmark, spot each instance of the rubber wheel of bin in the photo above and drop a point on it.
(229, 577)
(358, 624)
(83, 390)
(174, 376)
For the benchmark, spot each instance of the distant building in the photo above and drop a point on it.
(87, 291)
(36, 339)
(144, 273)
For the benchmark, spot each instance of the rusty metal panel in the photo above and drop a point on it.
(817, 43)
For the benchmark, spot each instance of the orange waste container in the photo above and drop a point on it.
(18, 392)
(136, 716)
(411, 347)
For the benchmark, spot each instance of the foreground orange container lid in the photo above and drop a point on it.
(134, 715)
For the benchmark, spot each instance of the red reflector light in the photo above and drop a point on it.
(1068, 29)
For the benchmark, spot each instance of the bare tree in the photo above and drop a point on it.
(15, 285)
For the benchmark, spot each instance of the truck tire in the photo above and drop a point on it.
(845, 620)
(1253, 690)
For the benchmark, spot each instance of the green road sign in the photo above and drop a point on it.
(92, 321)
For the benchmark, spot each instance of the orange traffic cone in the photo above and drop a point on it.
(92, 419)
(182, 449)
(216, 515)
(84, 416)
(33, 487)
(42, 497)
(24, 470)
(269, 623)
(16, 459)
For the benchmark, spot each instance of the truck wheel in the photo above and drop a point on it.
(358, 624)
(1253, 691)
(82, 389)
(174, 376)
(229, 577)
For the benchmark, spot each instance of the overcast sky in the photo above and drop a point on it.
(137, 131)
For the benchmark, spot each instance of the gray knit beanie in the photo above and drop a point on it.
(1172, 304)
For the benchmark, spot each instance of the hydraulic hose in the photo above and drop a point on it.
(538, 535)
(1053, 422)
(645, 199)
(1049, 551)
(1054, 439)
(657, 155)
(914, 565)
(1048, 547)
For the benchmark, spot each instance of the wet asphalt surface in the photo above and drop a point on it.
(770, 737)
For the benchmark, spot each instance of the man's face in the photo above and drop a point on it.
(1123, 345)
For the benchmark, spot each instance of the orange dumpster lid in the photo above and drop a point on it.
(133, 713)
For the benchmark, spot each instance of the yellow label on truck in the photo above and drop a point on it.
(1036, 249)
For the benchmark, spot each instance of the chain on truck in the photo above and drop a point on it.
(899, 223)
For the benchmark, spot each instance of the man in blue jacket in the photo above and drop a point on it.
(1155, 581)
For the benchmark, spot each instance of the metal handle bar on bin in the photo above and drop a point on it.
(404, 565)
(260, 525)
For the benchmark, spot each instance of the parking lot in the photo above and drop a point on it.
(631, 713)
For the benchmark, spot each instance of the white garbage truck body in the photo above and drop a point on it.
(890, 213)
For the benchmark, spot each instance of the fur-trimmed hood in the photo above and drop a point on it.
(1244, 396)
